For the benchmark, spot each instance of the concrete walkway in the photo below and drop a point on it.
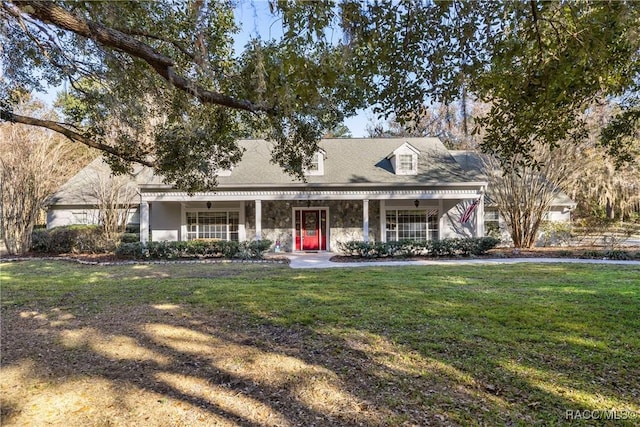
(321, 260)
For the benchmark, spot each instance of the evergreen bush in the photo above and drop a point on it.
(413, 248)
(194, 249)
(71, 239)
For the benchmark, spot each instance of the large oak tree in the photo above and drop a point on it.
(172, 65)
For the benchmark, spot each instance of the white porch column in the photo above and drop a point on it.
(258, 219)
(242, 231)
(480, 217)
(144, 222)
(365, 220)
(383, 220)
(440, 219)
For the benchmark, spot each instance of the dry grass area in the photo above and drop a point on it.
(215, 345)
(163, 365)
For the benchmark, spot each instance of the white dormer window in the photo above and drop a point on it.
(405, 163)
(405, 160)
(316, 167)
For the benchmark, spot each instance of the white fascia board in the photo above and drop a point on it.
(313, 195)
(148, 188)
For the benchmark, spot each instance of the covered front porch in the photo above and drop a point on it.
(312, 219)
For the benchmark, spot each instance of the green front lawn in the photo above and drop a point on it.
(444, 345)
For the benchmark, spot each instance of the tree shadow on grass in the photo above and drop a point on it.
(171, 367)
(164, 364)
(167, 365)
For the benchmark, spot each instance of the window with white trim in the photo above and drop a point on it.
(316, 167)
(415, 224)
(492, 222)
(491, 215)
(212, 225)
(406, 163)
(404, 160)
(80, 217)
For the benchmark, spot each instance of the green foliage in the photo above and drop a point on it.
(556, 233)
(190, 152)
(539, 64)
(251, 249)
(552, 62)
(71, 239)
(614, 254)
(194, 249)
(130, 237)
(618, 255)
(130, 250)
(413, 248)
(621, 136)
(492, 229)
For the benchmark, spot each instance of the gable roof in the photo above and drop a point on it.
(79, 190)
(349, 162)
(404, 148)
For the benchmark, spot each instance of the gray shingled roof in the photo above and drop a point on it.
(348, 162)
(79, 189)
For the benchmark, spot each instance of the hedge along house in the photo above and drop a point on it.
(356, 189)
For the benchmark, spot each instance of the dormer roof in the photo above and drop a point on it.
(405, 148)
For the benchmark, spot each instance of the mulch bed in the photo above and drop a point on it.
(551, 252)
(112, 259)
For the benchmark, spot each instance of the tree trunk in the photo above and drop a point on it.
(611, 214)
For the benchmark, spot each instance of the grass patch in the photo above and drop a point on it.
(469, 345)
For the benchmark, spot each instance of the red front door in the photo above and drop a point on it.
(310, 231)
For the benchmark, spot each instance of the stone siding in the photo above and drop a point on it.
(345, 221)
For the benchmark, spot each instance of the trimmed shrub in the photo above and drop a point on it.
(130, 250)
(444, 247)
(194, 249)
(132, 229)
(484, 244)
(609, 254)
(40, 241)
(254, 249)
(363, 249)
(554, 233)
(410, 248)
(71, 239)
(618, 255)
(592, 254)
(130, 238)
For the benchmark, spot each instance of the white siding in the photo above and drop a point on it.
(61, 216)
(165, 219)
(452, 227)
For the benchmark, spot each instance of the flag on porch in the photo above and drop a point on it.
(467, 213)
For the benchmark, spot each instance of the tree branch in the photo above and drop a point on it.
(534, 10)
(146, 34)
(53, 14)
(72, 135)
